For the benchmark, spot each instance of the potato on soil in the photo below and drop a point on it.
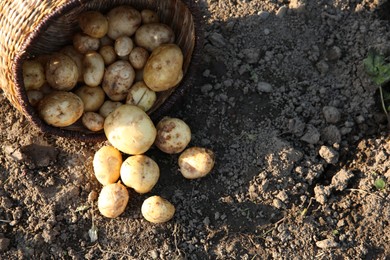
(109, 106)
(123, 21)
(113, 199)
(156, 209)
(152, 35)
(163, 70)
(129, 129)
(84, 43)
(196, 162)
(149, 16)
(61, 72)
(33, 74)
(138, 57)
(93, 121)
(93, 23)
(141, 96)
(173, 135)
(77, 57)
(92, 97)
(108, 54)
(118, 79)
(60, 108)
(93, 68)
(34, 96)
(107, 163)
(123, 46)
(140, 172)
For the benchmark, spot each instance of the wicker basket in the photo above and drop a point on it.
(35, 27)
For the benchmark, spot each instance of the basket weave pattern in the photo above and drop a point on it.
(34, 27)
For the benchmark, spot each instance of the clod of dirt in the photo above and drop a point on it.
(331, 114)
(327, 243)
(312, 135)
(334, 53)
(340, 180)
(331, 135)
(40, 155)
(4, 243)
(321, 193)
(264, 87)
(329, 154)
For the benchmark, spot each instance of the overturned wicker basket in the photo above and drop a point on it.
(35, 27)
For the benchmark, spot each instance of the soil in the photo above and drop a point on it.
(282, 99)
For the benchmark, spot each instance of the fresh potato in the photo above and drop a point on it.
(118, 79)
(84, 43)
(77, 57)
(60, 108)
(156, 209)
(123, 21)
(61, 72)
(113, 199)
(130, 130)
(138, 57)
(152, 35)
(33, 74)
(93, 69)
(163, 70)
(149, 16)
(107, 163)
(108, 106)
(108, 54)
(123, 46)
(93, 121)
(93, 23)
(34, 96)
(140, 173)
(196, 162)
(141, 96)
(173, 135)
(92, 97)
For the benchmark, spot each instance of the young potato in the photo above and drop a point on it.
(141, 96)
(92, 97)
(140, 173)
(156, 209)
(138, 57)
(123, 46)
(34, 96)
(123, 21)
(163, 70)
(84, 43)
(61, 72)
(113, 199)
(196, 162)
(108, 54)
(118, 79)
(108, 106)
(149, 16)
(173, 135)
(152, 35)
(93, 23)
(130, 130)
(77, 57)
(93, 121)
(33, 74)
(93, 69)
(60, 108)
(107, 163)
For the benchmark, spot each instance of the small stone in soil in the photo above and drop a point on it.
(340, 180)
(312, 136)
(264, 87)
(330, 155)
(331, 114)
(327, 243)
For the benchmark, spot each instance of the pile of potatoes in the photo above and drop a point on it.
(125, 56)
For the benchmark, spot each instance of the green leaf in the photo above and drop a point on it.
(377, 68)
(380, 184)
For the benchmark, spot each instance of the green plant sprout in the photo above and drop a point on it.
(380, 184)
(379, 71)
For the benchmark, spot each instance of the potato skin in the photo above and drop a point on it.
(118, 79)
(108, 106)
(156, 209)
(123, 21)
(113, 199)
(60, 108)
(149, 16)
(196, 162)
(152, 35)
(93, 70)
(61, 72)
(33, 74)
(93, 23)
(108, 54)
(163, 70)
(93, 121)
(92, 97)
(107, 163)
(173, 135)
(84, 43)
(141, 96)
(77, 57)
(138, 57)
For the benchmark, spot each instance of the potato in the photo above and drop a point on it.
(113, 199)
(108, 54)
(84, 43)
(163, 70)
(123, 46)
(149, 16)
(152, 35)
(107, 163)
(93, 121)
(138, 57)
(33, 74)
(93, 68)
(93, 23)
(156, 209)
(77, 57)
(123, 21)
(61, 72)
(196, 162)
(141, 96)
(60, 108)
(34, 96)
(173, 135)
(130, 130)
(140, 173)
(92, 97)
(108, 106)
(118, 79)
